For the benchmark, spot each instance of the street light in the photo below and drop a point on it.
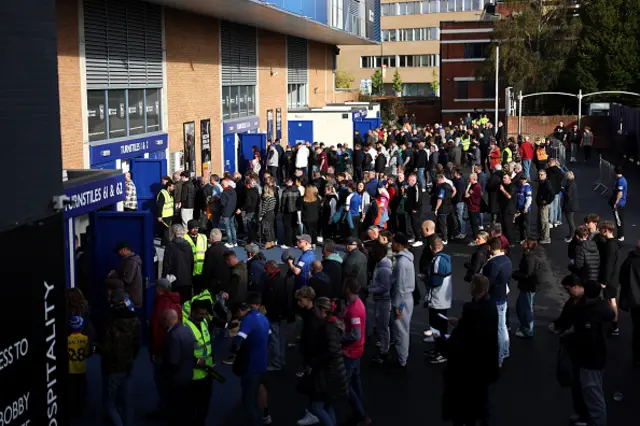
(497, 92)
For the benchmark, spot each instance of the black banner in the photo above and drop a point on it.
(269, 124)
(205, 140)
(33, 343)
(190, 147)
(278, 123)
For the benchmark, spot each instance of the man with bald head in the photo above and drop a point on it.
(319, 281)
(178, 362)
(428, 235)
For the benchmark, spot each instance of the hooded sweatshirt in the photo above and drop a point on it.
(178, 261)
(587, 263)
(380, 286)
(130, 273)
(403, 278)
(332, 266)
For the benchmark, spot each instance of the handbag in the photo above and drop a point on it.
(565, 373)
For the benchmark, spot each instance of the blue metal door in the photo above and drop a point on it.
(373, 122)
(147, 174)
(229, 151)
(107, 230)
(300, 131)
(363, 127)
(247, 142)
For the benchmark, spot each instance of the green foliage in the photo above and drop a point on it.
(535, 45)
(435, 84)
(397, 82)
(376, 82)
(608, 52)
(344, 80)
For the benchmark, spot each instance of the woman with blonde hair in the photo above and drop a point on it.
(267, 216)
(311, 212)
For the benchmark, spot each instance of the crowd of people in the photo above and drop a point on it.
(395, 201)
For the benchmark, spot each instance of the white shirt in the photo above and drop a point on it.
(302, 157)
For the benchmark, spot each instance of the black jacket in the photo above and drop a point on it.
(630, 281)
(321, 284)
(311, 325)
(354, 265)
(533, 271)
(587, 344)
(228, 202)
(275, 298)
(611, 262)
(333, 269)
(413, 199)
(477, 261)
(555, 176)
(570, 200)
(215, 270)
(545, 194)
(188, 195)
(178, 261)
(255, 271)
(587, 261)
(251, 200)
(122, 339)
(237, 285)
(493, 189)
(327, 380)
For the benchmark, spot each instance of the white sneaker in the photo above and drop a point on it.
(267, 420)
(445, 242)
(411, 240)
(481, 228)
(621, 239)
(284, 247)
(227, 245)
(319, 239)
(417, 244)
(308, 419)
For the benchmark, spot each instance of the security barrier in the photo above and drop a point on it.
(606, 177)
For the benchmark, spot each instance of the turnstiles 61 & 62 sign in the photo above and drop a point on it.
(92, 196)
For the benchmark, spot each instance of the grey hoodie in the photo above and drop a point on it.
(380, 286)
(403, 278)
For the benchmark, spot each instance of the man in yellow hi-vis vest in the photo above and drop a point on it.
(186, 306)
(165, 210)
(202, 382)
(199, 245)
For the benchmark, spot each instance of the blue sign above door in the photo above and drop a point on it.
(241, 126)
(91, 196)
(127, 148)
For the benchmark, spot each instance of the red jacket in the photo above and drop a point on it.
(158, 330)
(526, 151)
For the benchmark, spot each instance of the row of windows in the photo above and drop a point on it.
(475, 50)
(402, 61)
(433, 6)
(123, 112)
(238, 101)
(488, 90)
(411, 34)
(417, 89)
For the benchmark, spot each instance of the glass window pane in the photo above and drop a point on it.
(117, 119)
(251, 100)
(443, 6)
(233, 105)
(467, 5)
(451, 7)
(226, 112)
(410, 60)
(242, 101)
(463, 90)
(136, 112)
(97, 115)
(425, 6)
(392, 35)
(385, 9)
(459, 5)
(392, 61)
(424, 60)
(153, 110)
(402, 8)
(477, 4)
(411, 8)
(433, 33)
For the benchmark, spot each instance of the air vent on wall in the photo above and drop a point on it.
(345, 116)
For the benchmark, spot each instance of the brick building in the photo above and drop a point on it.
(152, 80)
(463, 48)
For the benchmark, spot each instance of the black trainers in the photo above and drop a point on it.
(380, 359)
(615, 331)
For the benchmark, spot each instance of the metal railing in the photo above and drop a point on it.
(559, 152)
(606, 177)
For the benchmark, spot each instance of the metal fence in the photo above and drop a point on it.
(606, 177)
(559, 152)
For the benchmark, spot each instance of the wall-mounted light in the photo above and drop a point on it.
(273, 73)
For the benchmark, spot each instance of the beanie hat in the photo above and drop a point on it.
(76, 323)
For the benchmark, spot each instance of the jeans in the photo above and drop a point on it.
(460, 213)
(524, 311)
(277, 344)
(543, 222)
(230, 228)
(119, 399)
(250, 384)
(352, 367)
(474, 218)
(162, 385)
(503, 332)
(422, 178)
(574, 151)
(382, 312)
(526, 167)
(588, 397)
(554, 208)
(324, 412)
(251, 226)
(523, 225)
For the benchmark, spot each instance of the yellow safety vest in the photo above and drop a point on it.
(202, 348)
(483, 121)
(507, 155)
(199, 249)
(186, 306)
(466, 142)
(167, 208)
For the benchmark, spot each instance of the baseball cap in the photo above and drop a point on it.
(76, 323)
(304, 237)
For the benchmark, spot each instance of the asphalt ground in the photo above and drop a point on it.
(526, 394)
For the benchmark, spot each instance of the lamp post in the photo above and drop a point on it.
(497, 91)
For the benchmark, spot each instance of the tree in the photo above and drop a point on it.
(344, 80)
(435, 84)
(608, 53)
(397, 82)
(376, 82)
(536, 43)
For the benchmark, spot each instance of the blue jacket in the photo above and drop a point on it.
(355, 204)
(498, 270)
